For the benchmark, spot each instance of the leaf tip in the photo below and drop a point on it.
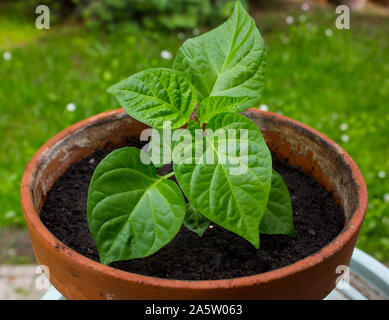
(292, 233)
(111, 89)
(239, 6)
(201, 232)
(255, 241)
(105, 260)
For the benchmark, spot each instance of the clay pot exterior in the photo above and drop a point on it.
(78, 277)
(355, 4)
(383, 2)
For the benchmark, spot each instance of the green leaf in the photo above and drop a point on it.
(132, 212)
(195, 221)
(278, 218)
(161, 144)
(233, 191)
(213, 105)
(193, 125)
(155, 96)
(229, 60)
(160, 147)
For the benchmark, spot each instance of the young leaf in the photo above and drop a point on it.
(213, 105)
(161, 144)
(193, 125)
(156, 95)
(195, 221)
(229, 60)
(132, 212)
(278, 218)
(232, 191)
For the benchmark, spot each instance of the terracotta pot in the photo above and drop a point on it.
(78, 277)
(354, 4)
(383, 2)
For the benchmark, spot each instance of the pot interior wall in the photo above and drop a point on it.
(314, 155)
(56, 159)
(289, 141)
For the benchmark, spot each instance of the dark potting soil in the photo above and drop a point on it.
(218, 254)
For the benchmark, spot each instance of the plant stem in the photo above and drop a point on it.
(166, 176)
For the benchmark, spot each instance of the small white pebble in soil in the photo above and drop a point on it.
(311, 232)
(289, 20)
(210, 227)
(382, 174)
(344, 126)
(71, 107)
(328, 33)
(305, 6)
(345, 138)
(166, 55)
(7, 55)
(386, 197)
(264, 107)
(92, 160)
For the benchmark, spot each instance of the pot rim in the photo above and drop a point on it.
(349, 230)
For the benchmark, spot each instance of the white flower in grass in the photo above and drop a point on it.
(345, 138)
(334, 116)
(382, 174)
(181, 35)
(305, 6)
(328, 33)
(7, 55)
(289, 20)
(264, 107)
(303, 18)
(386, 197)
(344, 126)
(71, 107)
(196, 32)
(166, 55)
(10, 214)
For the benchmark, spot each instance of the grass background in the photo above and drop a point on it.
(326, 79)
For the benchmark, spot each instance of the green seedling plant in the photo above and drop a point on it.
(132, 211)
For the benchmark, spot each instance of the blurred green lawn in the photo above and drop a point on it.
(328, 78)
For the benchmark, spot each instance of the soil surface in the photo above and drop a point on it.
(218, 254)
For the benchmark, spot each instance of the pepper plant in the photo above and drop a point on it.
(132, 211)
